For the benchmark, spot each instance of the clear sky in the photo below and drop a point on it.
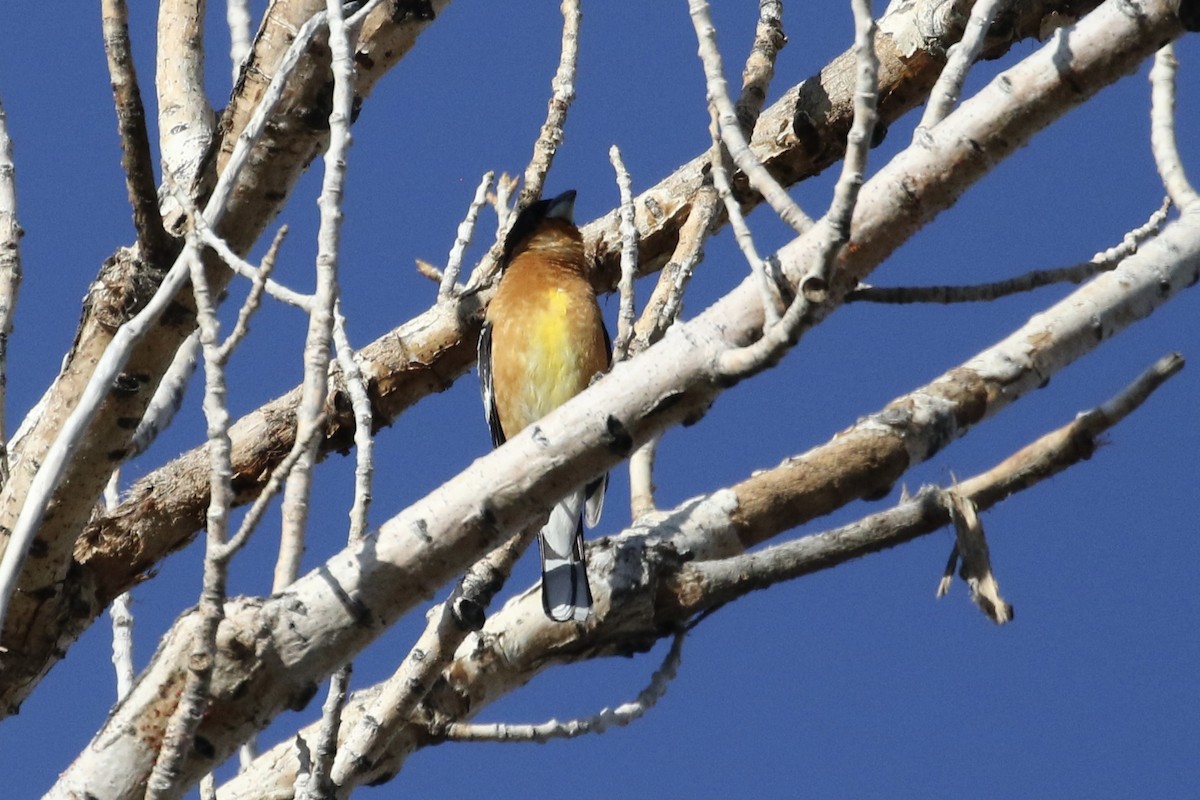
(850, 683)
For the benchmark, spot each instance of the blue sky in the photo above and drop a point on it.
(850, 683)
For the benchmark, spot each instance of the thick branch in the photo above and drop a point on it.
(155, 245)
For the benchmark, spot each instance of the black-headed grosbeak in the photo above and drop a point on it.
(543, 342)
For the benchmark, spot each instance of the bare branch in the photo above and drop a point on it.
(732, 135)
(666, 300)
(466, 230)
(449, 625)
(237, 17)
(313, 783)
(1162, 129)
(121, 613)
(705, 584)
(364, 440)
(834, 229)
(760, 64)
(10, 275)
(186, 125)
(1076, 273)
(741, 231)
(167, 397)
(258, 286)
(620, 716)
(629, 248)
(563, 94)
(156, 247)
(641, 479)
(310, 413)
(165, 779)
(958, 62)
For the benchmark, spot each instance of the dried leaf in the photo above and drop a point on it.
(976, 563)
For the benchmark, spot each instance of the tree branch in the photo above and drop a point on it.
(10, 275)
(797, 137)
(44, 614)
(981, 292)
(156, 247)
(325, 617)
(666, 590)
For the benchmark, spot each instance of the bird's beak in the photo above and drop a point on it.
(563, 207)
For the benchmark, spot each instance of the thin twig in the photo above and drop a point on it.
(449, 624)
(620, 716)
(958, 62)
(544, 148)
(258, 286)
(317, 784)
(1076, 273)
(309, 411)
(236, 263)
(121, 612)
(466, 230)
(562, 95)
(364, 419)
(314, 784)
(813, 287)
(1162, 129)
(730, 129)
(502, 203)
(186, 717)
(662, 309)
(272, 487)
(665, 301)
(168, 395)
(629, 258)
(741, 231)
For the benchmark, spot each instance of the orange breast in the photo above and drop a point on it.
(547, 341)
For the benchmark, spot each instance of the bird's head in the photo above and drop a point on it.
(546, 227)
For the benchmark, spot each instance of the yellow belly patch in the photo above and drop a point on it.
(554, 375)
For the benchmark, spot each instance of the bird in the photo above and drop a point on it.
(544, 341)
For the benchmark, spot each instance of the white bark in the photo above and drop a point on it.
(288, 641)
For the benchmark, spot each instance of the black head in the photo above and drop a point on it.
(561, 207)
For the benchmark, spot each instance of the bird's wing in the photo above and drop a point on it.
(594, 491)
(485, 385)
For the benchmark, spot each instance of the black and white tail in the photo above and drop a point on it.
(565, 592)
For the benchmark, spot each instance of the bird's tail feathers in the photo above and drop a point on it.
(565, 592)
